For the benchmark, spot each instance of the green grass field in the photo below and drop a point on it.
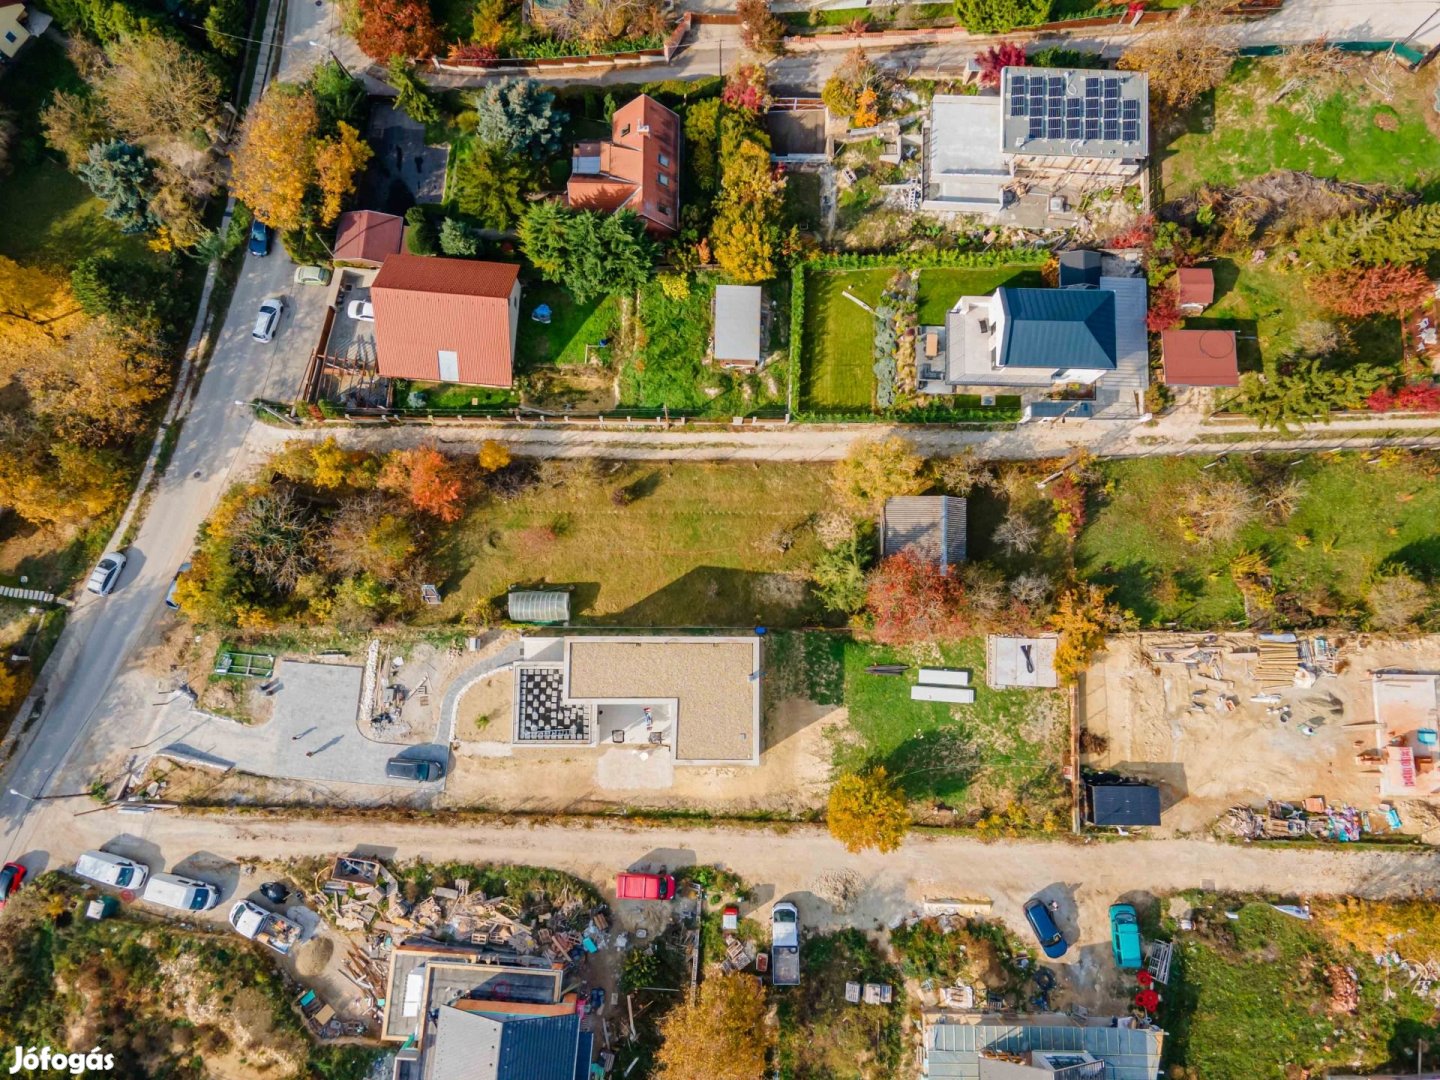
(839, 334)
(1005, 747)
(1353, 520)
(1336, 132)
(695, 545)
(572, 327)
(1266, 306)
(1249, 1000)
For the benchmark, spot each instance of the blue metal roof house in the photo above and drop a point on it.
(993, 1047)
(1057, 328)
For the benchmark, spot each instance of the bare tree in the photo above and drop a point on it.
(1016, 534)
(272, 537)
(1031, 588)
(1282, 499)
(1186, 58)
(961, 474)
(1397, 600)
(155, 86)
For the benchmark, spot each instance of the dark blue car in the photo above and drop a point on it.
(1052, 941)
(259, 238)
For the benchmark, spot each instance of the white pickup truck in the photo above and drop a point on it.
(785, 944)
(252, 921)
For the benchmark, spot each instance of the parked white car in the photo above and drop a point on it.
(362, 310)
(268, 319)
(312, 275)
(182, 894)
(115, 870)
(106, 574)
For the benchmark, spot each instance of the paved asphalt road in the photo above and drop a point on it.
(103, 631)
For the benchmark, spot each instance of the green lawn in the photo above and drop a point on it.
(451, 396)
(1005, 747)
(572, 327)
(686, 544)
(836, 366)
(1353, 519)
(1249, 1000)
(802, 200)
(1247, 133)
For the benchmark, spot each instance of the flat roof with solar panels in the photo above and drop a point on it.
(1072, 112)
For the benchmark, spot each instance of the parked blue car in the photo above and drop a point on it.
(1052, 941)
(259, 238)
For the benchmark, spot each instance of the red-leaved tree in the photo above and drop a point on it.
(432, 482)
(397, 28)
(1138, 234)
(1360, 291)
(1416, 397)
(1164, 313)
(913, 600)
(747, 88)
(994, 59)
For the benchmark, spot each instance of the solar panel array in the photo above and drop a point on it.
(1097, 113)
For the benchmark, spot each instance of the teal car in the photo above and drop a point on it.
(1125, 937)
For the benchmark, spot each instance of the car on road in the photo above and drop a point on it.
(312, 275)
(259, 238)
(1052, 941)
(267, 321)
(1125, 937)
(630, 886)
(11, 875)
(106, 574)
(361, 309)
(421, 772)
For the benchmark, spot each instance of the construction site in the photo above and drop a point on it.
(1324, 735)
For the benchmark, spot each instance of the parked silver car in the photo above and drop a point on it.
(268, 319)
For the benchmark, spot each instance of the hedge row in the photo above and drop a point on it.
(797, 330)
(931, 260)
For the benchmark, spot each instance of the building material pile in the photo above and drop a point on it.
(1286, 821)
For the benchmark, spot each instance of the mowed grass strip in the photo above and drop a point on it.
(572, 328)
(686, 544)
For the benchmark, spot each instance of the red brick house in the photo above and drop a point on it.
(637, 168)
(446, 320)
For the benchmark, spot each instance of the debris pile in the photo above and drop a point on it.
(1344, 989)
(1288, 821)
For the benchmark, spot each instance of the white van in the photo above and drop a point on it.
(182, 894)
(113, 870)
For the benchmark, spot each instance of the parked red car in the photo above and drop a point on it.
(644, 886)
(11, 875)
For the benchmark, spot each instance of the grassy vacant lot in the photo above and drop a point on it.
(571, 329)
(1254, 999)
(1002, 750)
(824, 1037)
(1341, 129)
(839, 334)
(1265, 307)
(684, 545)
(1353, 519)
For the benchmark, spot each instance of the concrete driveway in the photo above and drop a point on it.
(314, 733)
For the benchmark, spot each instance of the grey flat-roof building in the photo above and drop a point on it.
(956, 1045)
(1075, 113)
(737, 325)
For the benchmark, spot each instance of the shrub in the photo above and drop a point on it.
(419, 232)
(998, 57)
(999, 16)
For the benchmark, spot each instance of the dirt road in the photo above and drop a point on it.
(790, 862)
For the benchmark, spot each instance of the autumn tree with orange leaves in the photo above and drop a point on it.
(1358, 292)
(397, 28)
(432, 482)
(274, 163)
(912, 600)
(338, 163)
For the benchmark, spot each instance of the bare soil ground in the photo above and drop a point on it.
(1206, 760)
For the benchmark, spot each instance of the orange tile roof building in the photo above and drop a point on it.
(366, 237)
(446, 320)
(637, 168)
(1200, 358)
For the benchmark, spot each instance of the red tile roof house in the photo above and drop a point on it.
(366, 237)
(446, 320)
(637, 168)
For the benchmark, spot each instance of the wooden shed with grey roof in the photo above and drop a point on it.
(931, 527)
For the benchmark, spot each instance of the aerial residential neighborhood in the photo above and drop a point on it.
(720, 540)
